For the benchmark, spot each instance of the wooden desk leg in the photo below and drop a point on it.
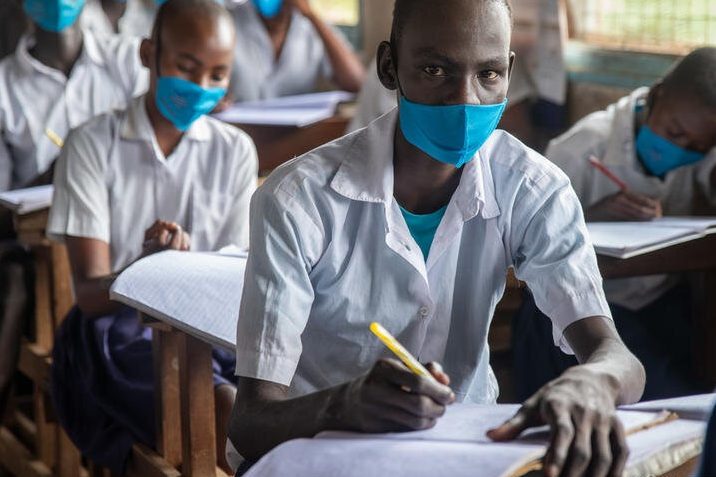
(704, 299)
(44, 324)
(62, 297)
(166, 372)
(68, 457)
(46, 432)
(197, 408)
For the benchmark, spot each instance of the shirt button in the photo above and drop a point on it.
(424, 311)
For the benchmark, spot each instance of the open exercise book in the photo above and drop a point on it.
(297, 111)
(628, 239)
(457, 446)
(198, 293)
(24, 201)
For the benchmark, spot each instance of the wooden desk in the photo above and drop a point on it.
(37, 445)
(276, 144)
(698, 259)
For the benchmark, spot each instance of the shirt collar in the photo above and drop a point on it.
(91, 51)
(137, 127)
(367, 173)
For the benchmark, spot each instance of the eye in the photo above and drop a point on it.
(184, 68)
(218, 78)
(489, 74)
(434, 71)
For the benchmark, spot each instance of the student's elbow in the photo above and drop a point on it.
(244, 436)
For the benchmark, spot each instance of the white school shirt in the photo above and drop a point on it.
(257, 74)
(330, 253)
(610, 136)
(112, 182)
(33, 97)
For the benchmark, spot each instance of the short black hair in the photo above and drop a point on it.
(206, 8)
(695, 75)
(404, 8)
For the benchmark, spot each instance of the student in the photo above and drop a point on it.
(284, 48)
(103, 16)
(413, 222)
(661, 141)
(162, 167)
(58, 78)
(13, 24)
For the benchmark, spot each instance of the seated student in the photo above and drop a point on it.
(162, 167)
(13, 24)
(103, 16)
(284, 48)
(657, 140)
(59, 77)
(413, 222)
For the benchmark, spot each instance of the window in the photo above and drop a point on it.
(660, 26)
(339, 12)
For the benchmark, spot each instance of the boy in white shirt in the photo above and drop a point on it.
(661, 141)
(413, 223)
(163, 167)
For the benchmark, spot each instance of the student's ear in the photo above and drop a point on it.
(387, 67)
(146, 53)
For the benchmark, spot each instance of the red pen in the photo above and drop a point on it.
(610, 175)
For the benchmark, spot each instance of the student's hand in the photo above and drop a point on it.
(587, 439)
(163, 235)
(391, 398)
(303, 7)
(624, 206)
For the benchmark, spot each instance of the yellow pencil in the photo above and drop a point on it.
(54, 137)
(399, 350)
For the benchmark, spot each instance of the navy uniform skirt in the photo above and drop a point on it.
(103, 384)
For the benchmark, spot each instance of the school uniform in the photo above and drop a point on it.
(111, 183)
(331, 252)
(642, 302)
(35, 98)
(258, 74)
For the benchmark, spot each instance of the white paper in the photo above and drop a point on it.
(24, 201)
(698, 407)
(310, 100)
(198, 293)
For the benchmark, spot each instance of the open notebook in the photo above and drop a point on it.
(629, 239)
(296, 111)
(198, 293)
(457, 446)
(24, 201)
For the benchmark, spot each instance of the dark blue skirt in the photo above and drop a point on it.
(103, 384)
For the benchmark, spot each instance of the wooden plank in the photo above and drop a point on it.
(18, 459)
(63, 298)
(69, 461)
(704, 302)
(146, 463)
(35, 363)
(44, 323)
(197, 408)
(687, 469)
(166, 371)
(32, 222)
(46, 436)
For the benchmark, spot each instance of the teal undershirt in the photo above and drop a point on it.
(423, 227)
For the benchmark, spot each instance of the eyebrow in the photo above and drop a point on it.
(191, 57)
(430, 53)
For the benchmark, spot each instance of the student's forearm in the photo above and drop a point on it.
(348, 71)
(93, 296)
(256, 430)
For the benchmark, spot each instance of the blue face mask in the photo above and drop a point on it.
(659, 155)
(183, 102)
(451, 134)
(53, 15)
(268, 8)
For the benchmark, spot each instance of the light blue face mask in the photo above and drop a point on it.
(183, 102)
(53, 15)
(451, 134)
(659, 155)
(268, 8)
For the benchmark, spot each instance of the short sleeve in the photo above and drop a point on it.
(80, 205)
(235, 230)
(552, 253)
(278, 293)
(706, 177)
(5, 166)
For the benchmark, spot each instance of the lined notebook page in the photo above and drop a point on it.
(24, 201)
(198, 293)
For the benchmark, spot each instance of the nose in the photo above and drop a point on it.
(202, 79)
(466, 91)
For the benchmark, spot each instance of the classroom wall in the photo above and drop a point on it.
(377, 19)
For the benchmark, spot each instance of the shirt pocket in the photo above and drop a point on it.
(209, 213)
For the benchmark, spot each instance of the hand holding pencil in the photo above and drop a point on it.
(625, 205)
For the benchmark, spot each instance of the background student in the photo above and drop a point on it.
(158, 175)
(661, 141)
(412, 222)
(284, 48)
(13, 24)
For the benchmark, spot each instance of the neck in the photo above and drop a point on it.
(167, 135)
(279, 23)
(421, 184)
(58, 50)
